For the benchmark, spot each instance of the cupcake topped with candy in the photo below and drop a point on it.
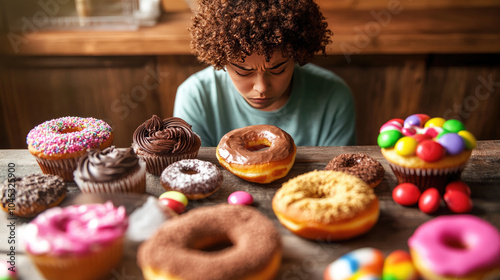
(420, 148)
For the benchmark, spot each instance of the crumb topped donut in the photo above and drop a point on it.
(180, 249)
(257, 153)
(195, 178)
(360, 165)
(32, 194)
(326, 205)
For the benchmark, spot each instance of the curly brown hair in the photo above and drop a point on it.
(224, 31)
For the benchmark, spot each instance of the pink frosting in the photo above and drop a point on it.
(77, 229)
(49, 138)
(457, 245)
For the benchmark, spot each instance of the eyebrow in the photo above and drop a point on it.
(271, 68)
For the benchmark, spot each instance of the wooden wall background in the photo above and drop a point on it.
(437, 57)
(125, 91)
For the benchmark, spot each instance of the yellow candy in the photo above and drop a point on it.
(406, 146)
(470, 140)
(399, 266)
(435, 122)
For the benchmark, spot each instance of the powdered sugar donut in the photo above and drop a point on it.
(193, 177)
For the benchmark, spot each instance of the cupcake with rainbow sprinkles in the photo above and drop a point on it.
(428, 152)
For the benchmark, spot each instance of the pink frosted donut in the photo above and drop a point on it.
(458, 247)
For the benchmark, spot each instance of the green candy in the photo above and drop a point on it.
(388, 138)
(453, 126)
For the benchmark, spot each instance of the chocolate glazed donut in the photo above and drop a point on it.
(257, 153)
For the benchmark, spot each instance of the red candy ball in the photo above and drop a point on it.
(458, 186)
(429, 201)
(421, 137)
(406, 194)
(430, 151)
(458, 202)
(175, 205)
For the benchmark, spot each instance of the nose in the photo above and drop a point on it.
(261, 83)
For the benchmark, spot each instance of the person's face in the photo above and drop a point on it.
(264, 85)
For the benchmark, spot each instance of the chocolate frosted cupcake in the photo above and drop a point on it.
(162, 142)
(111, 170)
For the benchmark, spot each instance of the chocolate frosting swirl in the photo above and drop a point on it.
(169, 136)
(106, 165)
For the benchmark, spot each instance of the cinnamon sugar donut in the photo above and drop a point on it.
(326, 205)
(180, 249)
(360, 165)
(195, 178)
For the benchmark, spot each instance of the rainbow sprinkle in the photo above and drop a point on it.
(49, 137)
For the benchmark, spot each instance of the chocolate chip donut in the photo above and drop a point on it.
(189, 246)
(30, 195)
(359, 165)
(195, 178)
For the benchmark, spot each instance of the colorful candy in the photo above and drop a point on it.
(388, 139)
(450, 135)
(435, 122)
(458, 202)
(453, 143)
(399, 266)
(470, 140)
(178, 196)
(174, 200)
(364, 263)
(459, 186)
(406, 194)
(406, 146)
(429, 201)
(240, 197)
(453, 126)
(430, 151)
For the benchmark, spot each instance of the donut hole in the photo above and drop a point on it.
(70, 130)
(213, 244)
(189, 171)
(258, 145)
(455, 243)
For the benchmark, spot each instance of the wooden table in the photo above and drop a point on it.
(302, 259)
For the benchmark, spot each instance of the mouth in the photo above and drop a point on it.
(259, 100)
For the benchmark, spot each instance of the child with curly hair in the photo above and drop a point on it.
(259, 52)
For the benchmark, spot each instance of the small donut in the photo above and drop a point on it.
(194, 178)
(456, 247)
(363, 263)
(257, 153)
(359, 165)
(30, 195)
(326, 205)
(58, 144)
(187, 247)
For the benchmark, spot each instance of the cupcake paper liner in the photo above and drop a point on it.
(88, 267)
(156, 164)
(133, 183)
(61, 167)
(426, 178)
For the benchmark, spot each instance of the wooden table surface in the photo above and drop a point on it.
(302, 259)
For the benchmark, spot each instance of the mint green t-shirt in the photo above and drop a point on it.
(320, 111)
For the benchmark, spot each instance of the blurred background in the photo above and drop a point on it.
(122, 61)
